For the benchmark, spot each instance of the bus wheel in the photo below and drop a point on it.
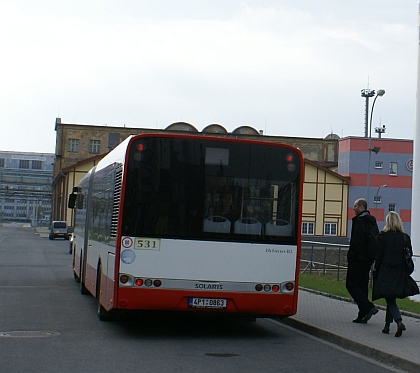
(83, 289)
(102, 313)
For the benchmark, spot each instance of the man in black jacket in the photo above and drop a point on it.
(360, 259)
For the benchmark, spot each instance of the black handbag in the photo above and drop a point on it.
(408, 257)
(410, 287)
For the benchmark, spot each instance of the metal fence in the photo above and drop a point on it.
(326, 259)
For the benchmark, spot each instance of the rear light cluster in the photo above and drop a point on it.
(291, 166)
(286, 287)
(130, 281)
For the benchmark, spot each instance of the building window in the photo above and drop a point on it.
(330, 229)
(24, 163)
(73, 145)
(36, 165)
(391, 207)
(113, 140)
(393, 167)
(308, 227)
(378, 164)
(94, 146)
(377, 199)
(1, 162)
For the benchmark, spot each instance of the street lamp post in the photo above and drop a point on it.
(380, 93)
(367, 93)
(377, 193)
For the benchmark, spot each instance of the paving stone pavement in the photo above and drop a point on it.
(331, 318)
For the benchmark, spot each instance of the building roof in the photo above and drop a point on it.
(327, 170)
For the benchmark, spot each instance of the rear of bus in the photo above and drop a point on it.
(209, 225)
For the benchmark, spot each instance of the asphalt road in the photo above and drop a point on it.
(46, 325)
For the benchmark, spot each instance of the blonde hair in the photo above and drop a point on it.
(393, 223)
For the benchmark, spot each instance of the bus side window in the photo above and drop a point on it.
(80, 201)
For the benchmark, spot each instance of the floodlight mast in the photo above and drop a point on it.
(380, 93)
(366, 93)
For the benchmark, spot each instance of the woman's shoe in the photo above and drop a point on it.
(386, 328)
(400, 329)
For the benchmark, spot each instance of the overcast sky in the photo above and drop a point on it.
(287, 67)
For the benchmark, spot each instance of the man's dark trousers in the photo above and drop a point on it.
(357, 283)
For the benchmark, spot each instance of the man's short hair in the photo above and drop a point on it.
(361, 202)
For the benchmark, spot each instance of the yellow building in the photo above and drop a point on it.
(68, 178)
(325, 201)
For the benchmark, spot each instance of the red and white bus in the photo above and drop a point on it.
(191, 223)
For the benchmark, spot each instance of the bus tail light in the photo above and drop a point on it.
(147, 282)
(125, 279)
(286, 287)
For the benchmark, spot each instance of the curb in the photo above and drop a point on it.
(348, 344)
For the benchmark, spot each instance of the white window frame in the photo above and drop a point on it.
(393, 168)
(94, 146)
(73, 145)
(330, 227)
(378, 164)
(307, 226)
(377, 199)
(392, 207)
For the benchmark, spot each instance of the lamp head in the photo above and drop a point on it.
(368, 92)
(380, 92)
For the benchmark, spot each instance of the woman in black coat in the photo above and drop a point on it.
(390, 273)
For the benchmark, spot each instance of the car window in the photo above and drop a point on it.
(60, 225)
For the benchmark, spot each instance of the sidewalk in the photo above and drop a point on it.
(42, 232)
(331, 319)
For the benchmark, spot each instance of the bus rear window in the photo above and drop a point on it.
(207, 189)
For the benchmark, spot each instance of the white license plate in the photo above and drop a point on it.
(207, 303)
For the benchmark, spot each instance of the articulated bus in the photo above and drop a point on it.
(171, 222)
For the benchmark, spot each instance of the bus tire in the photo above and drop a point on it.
(103, 314)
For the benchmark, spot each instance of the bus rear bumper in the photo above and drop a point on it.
(183, 300)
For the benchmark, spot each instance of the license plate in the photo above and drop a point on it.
(207, 303)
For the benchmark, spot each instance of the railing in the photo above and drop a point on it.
(325, 258)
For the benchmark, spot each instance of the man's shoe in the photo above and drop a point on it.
(360, 320)
(372, 311)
